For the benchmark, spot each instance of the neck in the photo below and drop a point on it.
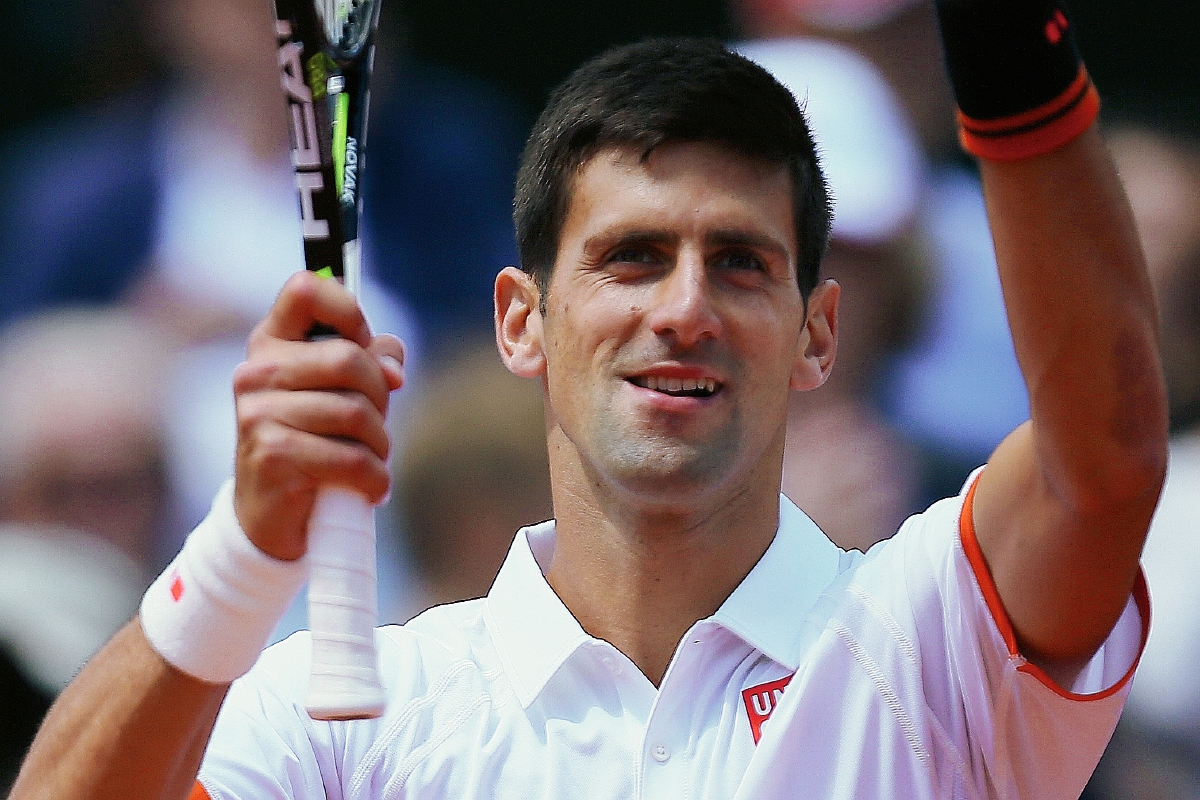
(639, 576)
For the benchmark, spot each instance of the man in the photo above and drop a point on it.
(678, 630)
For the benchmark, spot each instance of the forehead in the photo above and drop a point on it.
(683, 185)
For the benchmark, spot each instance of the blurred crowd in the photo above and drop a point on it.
(147, 219)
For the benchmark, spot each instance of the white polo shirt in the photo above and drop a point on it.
(825, 674)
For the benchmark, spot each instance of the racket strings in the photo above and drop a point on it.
(346, 21)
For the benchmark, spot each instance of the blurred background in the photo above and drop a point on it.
(147, 218)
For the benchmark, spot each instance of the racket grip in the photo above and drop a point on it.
(342, 608)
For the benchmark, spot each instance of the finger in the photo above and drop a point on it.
(342, 415)
(279, 471)
(307, 299)
(390, 353)
(288, 457)
(328, 364)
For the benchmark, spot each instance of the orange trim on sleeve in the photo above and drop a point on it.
(983, 575)
(198, 793)
(1034, 132)
(991, 596)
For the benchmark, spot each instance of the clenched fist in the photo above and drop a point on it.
(310, 413)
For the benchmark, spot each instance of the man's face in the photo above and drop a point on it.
(673, 322)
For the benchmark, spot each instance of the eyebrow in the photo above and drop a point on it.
(719, 238)
(741, 238)
(606, 240)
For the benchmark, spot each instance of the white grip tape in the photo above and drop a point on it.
(212, 610)
(344, 681)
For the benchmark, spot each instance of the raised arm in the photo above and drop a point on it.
(1062, 510)
(133, 724)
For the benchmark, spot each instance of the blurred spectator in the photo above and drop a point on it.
(84, 501)
(226, 227)
(1156, 752)
(859, 478)
(179, 195)
(474, 470)
(958, 390)
(178, 199)
(81, 434)
(442, 159)
(899, 36)
(1161, 174)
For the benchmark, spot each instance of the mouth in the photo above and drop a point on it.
(677, 387)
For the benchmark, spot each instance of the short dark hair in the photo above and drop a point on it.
(651, 92)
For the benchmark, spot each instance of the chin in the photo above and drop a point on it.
(672, 473)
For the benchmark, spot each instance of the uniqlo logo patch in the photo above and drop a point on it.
(176, 586)
(761, 701)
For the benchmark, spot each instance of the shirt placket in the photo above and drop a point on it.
(667, 750)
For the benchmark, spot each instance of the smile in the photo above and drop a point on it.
(677, 387)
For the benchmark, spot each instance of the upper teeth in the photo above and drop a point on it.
(661, 384)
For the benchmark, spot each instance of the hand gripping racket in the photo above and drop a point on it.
(326, 48)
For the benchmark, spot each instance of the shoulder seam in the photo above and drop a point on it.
(884, 687)
(907, 649)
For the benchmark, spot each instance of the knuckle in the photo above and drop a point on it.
(344, 356)
(360, 414)
(359, 460)
(243, 377)
(252, 374)
(251, 412)
(301, 286)
(274, 448)
(251, 421)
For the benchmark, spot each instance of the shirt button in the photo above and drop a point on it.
(612, 665)
(661, 753)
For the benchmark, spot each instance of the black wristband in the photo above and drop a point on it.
(1017, 76)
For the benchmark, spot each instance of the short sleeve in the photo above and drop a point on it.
(1022, 734)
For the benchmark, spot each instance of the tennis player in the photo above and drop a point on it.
(680, 629)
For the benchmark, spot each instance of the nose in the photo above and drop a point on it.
(683, 304)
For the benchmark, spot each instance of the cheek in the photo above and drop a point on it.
(569, 370)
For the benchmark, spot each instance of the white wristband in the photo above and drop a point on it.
(213, 608)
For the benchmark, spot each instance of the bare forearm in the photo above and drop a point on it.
(129, 726)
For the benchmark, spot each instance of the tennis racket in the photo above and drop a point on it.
(326, 49)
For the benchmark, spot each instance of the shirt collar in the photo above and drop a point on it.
(769, 608)
(535, 633)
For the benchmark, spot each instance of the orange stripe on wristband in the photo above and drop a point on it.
(1034, 132)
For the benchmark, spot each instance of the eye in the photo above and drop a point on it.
(739, 261)
(634, 255)
(633, 262)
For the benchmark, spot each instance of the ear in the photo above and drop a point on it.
(519, 323)
(818, 341)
